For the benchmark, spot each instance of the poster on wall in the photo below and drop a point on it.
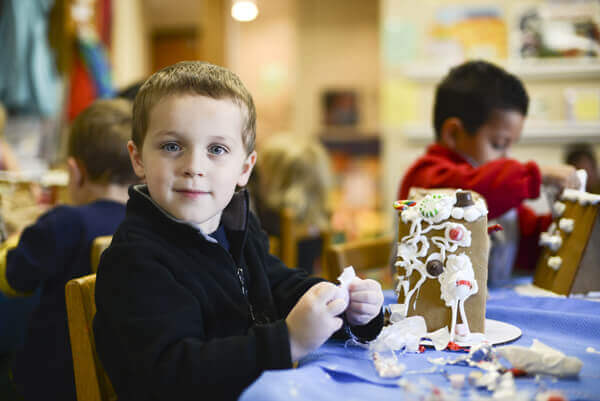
(462, 32)
(557, 29)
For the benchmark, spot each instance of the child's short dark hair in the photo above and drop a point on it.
(98, 140)
(193, 78)
(472, 91)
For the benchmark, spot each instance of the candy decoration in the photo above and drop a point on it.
(456, 234)
(434, 267)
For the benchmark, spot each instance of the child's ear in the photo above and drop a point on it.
(76, 172)
(449, 132)
(136, 160)
(247, 169)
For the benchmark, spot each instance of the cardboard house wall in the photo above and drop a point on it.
(570, 260)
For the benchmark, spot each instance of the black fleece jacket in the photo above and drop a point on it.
(181, 318)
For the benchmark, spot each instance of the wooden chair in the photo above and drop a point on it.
(98, 246)
(365, 255)
(91, 381)
(291, 232)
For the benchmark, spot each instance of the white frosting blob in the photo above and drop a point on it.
(558, 208)
(465, 241)
(566, 225)
(458, 213)
(584, 198)
(555, 262)
(458, 272)
(550, 241)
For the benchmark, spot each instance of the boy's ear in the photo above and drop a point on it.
(247, 169)
(451, 128)
(76, 171)
(136, 160)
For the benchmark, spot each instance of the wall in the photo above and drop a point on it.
(130, 56)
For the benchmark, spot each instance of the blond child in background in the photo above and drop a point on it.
(294, 173)
(57, 247)
(189, 302)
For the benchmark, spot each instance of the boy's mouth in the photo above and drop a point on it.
(192, 193)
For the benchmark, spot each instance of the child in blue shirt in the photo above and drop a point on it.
(57, 247)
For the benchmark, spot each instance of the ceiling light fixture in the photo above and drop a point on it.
(244, 10)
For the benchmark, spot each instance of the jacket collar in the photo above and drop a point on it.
(234, 217)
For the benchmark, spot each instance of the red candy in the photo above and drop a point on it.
(456, 234)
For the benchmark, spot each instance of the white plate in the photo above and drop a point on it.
(496, 332)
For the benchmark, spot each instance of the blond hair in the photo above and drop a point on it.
(98, 140)
(296, 174)
(193, 78)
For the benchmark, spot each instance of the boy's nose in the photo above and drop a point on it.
(194, 165)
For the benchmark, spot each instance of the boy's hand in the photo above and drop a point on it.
(560, 176)
(366, 299)
(314, 318)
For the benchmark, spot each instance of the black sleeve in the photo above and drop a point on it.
(151, 337)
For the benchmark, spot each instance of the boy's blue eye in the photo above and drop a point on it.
(171, 147)
(217, 149)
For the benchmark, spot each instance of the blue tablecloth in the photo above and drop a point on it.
(339, 372)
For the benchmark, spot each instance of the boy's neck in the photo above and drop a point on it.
(92, 192)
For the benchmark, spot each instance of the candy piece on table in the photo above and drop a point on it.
(388, 367)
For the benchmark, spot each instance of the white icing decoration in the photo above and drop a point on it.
(435, 208)
(582, 175)
(553, 242)
(555, 262)
(584, 198)
(558, 208)
(388, 367)
(566, 225)
(457, 283)
(458, 213)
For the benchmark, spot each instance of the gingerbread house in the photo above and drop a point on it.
(569, 261)
(442, 260)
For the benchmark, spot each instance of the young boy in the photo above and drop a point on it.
(189, 301)
(479, 113)
(57, 247)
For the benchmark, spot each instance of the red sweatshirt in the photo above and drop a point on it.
(504, 183)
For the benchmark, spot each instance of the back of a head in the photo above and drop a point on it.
(577, 152)
(295, 173)
(98, 140)
(193, 78)
(472, 91)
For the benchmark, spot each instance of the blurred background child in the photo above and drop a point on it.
(57, 247)
(294, 173)
(479, 112)
(582, 156)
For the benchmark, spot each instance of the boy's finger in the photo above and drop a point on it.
(326, 292)
(363, 309)
(369, 297)
(336, 307)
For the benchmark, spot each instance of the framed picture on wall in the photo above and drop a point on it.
(340, 108)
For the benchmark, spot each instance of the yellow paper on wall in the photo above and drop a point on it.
(587, 106)
(399, 99)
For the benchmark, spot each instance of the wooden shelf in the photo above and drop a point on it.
(534, 132)
(530, 70)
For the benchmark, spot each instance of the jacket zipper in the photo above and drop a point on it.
(240, 275)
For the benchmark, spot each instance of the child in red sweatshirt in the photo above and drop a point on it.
(479, 113)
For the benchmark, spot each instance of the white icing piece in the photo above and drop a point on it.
(555, 262)
(584, 198)
(440, 338)
(553, 242)
(558, 208)
(388, 367)
(582, 175)
(458, 234)
(566, 225)
(457, 283)
(404, 334)
(458, 213)
(457, 380)
(541, 359)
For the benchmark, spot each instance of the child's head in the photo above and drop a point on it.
(97, 146)
(581, 156)
(479, 110)
(295, 173)
(193, 140)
